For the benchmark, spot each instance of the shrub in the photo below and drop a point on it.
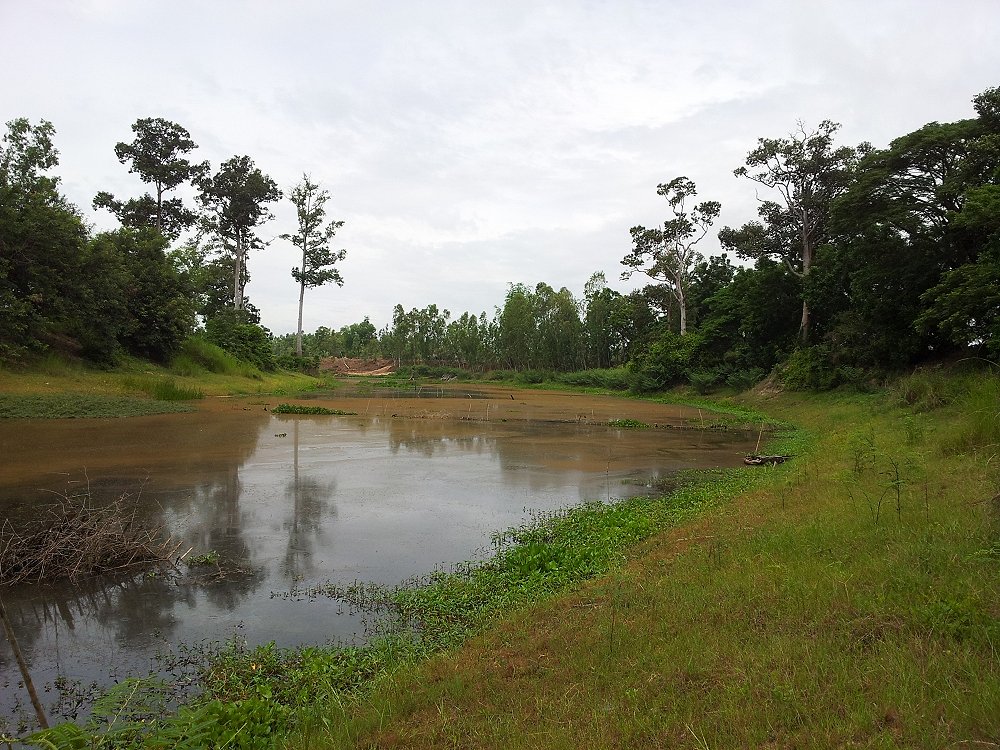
(198, 355)
(809, 369)
(665, 363)
(296, 363)
(233, 331)
(616, 379)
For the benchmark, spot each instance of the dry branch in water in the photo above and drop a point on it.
(75, 539)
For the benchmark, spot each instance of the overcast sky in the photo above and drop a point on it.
(468, 145)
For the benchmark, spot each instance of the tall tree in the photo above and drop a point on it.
(313, 239)
(157, 155)
(920, 235)
(668, 254)
(808, 173)
(41, 241)
(235, 201)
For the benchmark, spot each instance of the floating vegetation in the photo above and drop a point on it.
(321, 410)
(628, 424)
(208, 558)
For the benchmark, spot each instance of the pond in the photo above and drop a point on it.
(290, 502)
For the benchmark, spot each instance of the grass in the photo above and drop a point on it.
(81, 405)
(161, 388)
(55, 376)
(790, 617)
(847, 598)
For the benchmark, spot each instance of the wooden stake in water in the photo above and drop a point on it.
(9, 630)
(759, 436)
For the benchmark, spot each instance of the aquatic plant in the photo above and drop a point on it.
(628, 424)
(320, 410)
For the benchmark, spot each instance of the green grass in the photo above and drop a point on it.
(320, 410)
(847, 598)
(801, 615)
(74, 406)
(161, 388)
(198, 356)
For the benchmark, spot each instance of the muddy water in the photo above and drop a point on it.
(409, 484)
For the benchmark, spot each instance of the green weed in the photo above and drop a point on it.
(76, 406)
(319, 410)
(628, 424)
(160, 388)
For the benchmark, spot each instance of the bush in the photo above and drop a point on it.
(665, 363)
(233, 331)
(809, 369)
(703, 380)
(617, 379)
(296, 363)
(533, 377)
(197, 355)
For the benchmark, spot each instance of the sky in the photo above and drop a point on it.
(471, 145)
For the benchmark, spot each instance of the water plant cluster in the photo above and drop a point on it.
(316, 410)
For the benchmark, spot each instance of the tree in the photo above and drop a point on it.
(157, 156)
(158, 311)
(808, 173)
(234, 200)
(668, 254)
(41, 242)
(313, 239)
(917, 233)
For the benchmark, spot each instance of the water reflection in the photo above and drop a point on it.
(311, 499)
(293, 501)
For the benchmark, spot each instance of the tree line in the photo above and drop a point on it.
(103, 294)
(861, 261)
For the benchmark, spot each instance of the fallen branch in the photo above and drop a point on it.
(76, 539)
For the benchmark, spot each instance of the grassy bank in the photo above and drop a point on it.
(846, 598)
(57, 387)
(852, 600)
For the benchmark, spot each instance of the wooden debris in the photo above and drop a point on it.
(756, 459)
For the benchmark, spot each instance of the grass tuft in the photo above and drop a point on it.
(160, 388)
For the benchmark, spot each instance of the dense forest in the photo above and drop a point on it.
(862, 261)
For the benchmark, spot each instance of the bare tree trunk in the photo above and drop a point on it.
(298, 338)
(682, 304)
(237, 276)
(807, 253)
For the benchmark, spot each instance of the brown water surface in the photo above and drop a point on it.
(414, 481)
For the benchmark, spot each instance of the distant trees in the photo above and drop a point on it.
(41, 239)
(865, 261)
(313, 239)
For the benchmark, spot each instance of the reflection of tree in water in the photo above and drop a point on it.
(430, 436)
(131, 609)
(310, 501)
